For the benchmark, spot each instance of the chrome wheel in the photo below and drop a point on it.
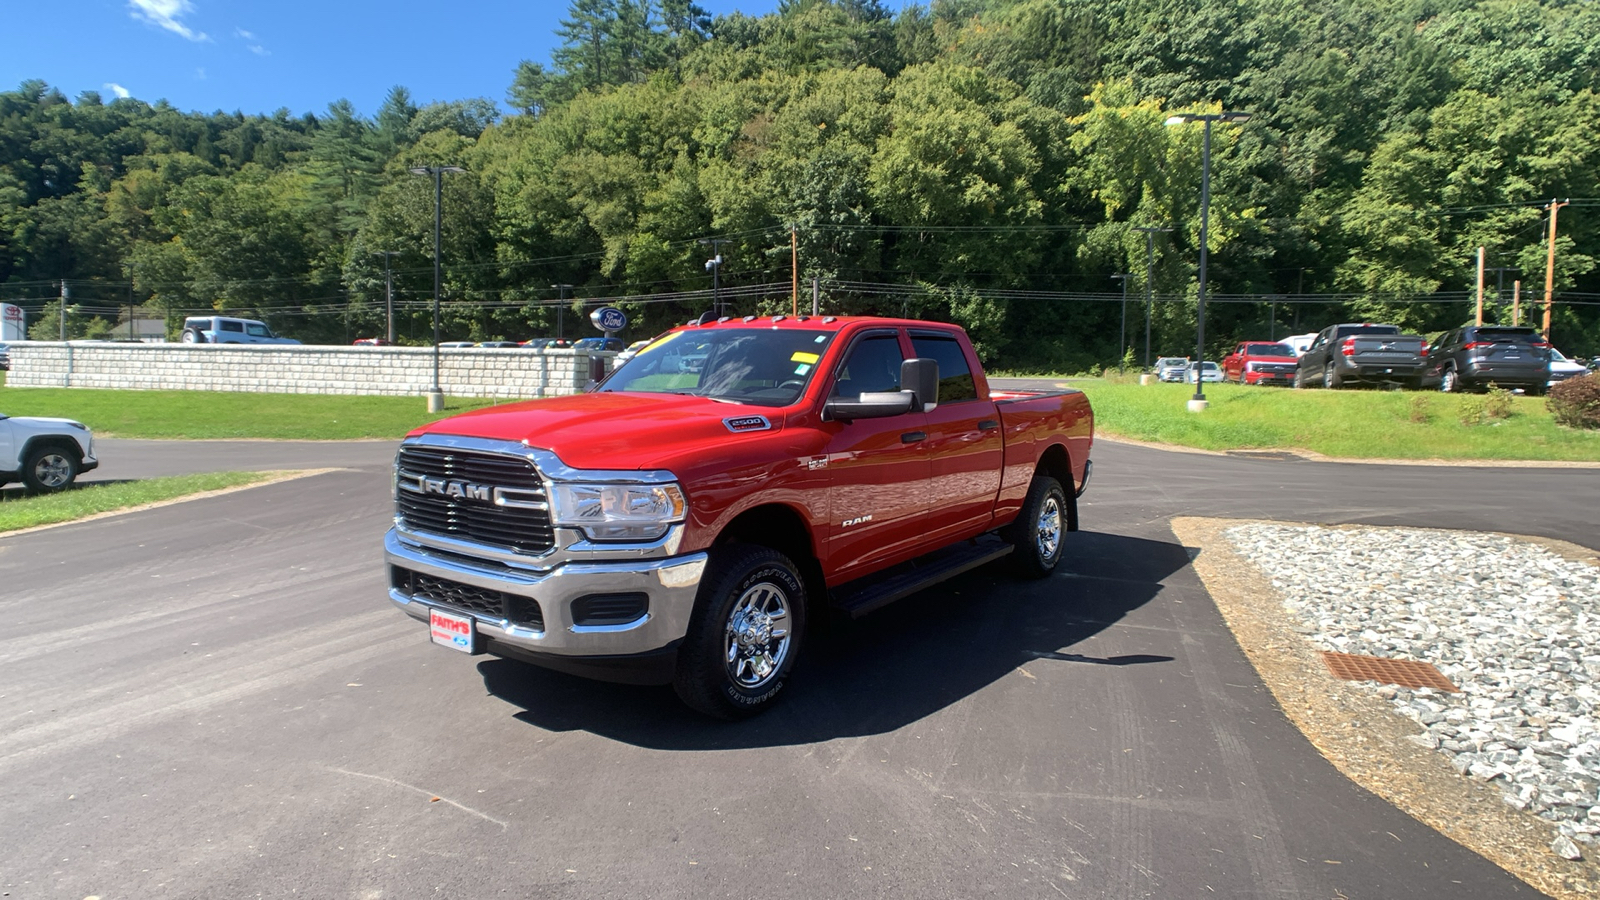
(1449, 381)
(756, 642)
(1047, 530)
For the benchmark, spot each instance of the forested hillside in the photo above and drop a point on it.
(982, 161)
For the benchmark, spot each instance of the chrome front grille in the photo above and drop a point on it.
(522, 526)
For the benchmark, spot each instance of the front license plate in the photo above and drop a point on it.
(453, 631)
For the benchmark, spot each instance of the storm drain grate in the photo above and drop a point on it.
(1403, 672)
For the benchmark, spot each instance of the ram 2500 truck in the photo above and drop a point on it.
(681, 521)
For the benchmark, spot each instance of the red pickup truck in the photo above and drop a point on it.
(681, 521)
(1260, 362)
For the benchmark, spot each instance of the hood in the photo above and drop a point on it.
(44, 422)
(611, 430)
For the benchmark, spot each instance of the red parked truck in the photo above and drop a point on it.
(682, 521)
(1260, 362)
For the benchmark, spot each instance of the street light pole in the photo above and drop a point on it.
(715, 265)
(1122, 345)
(1198, 402)
(1149, 232)
(388, 291)
(561, 309)
(436, 396)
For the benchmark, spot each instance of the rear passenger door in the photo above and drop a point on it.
(965, 448)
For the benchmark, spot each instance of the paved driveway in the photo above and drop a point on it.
(214, 699)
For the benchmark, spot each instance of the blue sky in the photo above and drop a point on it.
(257, 57)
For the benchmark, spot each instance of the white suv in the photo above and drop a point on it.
(44, 454)
(225, 330)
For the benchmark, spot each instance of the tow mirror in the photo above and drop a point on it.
(870, 405)
(921, 377)
(597, 373)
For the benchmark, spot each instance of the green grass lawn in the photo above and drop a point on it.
(211, 414)
(19, 509)
(1362, 424)
(1370, 424)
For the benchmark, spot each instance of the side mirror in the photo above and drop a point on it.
(597, 373)
(870, 405)
(921, 377)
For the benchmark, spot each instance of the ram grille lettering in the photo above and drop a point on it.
(461, 490)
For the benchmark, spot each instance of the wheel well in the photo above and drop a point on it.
(64, 444)
(783, 529)
(1057, 463)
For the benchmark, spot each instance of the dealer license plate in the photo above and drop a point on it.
(453, 631)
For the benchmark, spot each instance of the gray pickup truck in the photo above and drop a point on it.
(1363, 353)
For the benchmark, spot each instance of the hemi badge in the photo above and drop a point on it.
(747, 423)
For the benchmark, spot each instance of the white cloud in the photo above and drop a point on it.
(165, 14)
(249, 39)
(199, 74)
(121, 92)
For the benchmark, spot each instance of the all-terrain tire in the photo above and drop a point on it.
(745, 633)
(1037, 532)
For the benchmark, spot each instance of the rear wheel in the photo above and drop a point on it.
(1037, 532)
(1331, 379)
(1449, 380)
(49, 469)
(745, 633)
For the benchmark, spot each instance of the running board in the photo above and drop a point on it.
(861, 597)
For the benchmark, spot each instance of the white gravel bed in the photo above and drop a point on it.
(1512, 624)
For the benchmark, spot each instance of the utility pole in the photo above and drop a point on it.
(1479, 319)
(794, 259)
(1516, 302)
(1550, 266)
(388, 289)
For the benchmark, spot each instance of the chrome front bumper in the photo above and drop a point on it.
(671, 584)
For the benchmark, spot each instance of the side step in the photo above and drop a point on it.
(867, 594)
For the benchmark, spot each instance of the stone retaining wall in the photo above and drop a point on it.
(290, 369)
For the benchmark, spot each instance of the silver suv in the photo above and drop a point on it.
(44, 454)
(1172, 368)
(228, 330)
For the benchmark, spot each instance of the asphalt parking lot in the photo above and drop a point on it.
(215, 699)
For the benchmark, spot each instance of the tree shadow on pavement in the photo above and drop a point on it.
(879, 673)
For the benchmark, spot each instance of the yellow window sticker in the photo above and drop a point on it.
(801, 356)
(664, 339)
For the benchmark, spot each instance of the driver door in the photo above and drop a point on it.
(878, 469)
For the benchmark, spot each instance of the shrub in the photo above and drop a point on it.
(1575, 402)
(1421, 409)
(1497, 404)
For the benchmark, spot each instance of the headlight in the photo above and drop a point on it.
(617, 512)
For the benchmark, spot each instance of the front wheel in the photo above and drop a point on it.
(745, 633)
(1036, 534)
(1299, 380)
(49, 469)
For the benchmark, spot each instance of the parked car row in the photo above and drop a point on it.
(1472, 357)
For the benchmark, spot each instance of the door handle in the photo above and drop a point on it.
(911, 437)
(988, 425)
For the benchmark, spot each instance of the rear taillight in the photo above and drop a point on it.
(1348, 348)
(1474, 345)
(1426, 350)
(1539, 345)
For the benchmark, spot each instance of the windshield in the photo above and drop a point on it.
(1268, 350)
(763, 367)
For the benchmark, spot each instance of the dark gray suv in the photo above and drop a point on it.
(1477, 356)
